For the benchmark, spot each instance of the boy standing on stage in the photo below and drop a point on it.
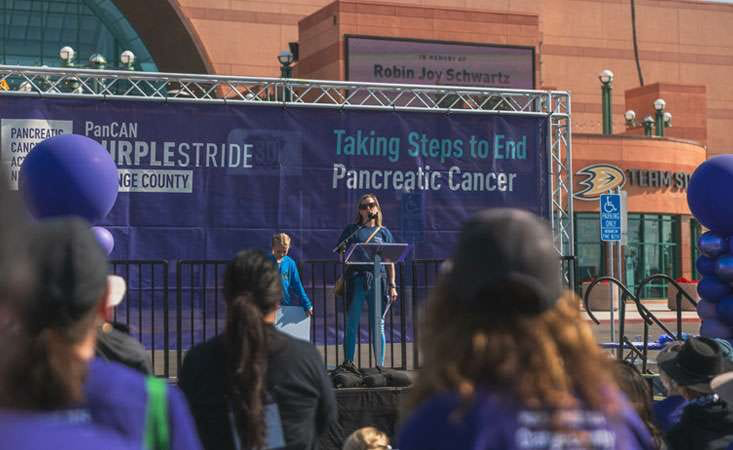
(289, 276)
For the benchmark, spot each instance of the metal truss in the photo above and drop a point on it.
(172, 87)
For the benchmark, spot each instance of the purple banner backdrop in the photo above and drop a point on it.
(407, 61)
(204, 181)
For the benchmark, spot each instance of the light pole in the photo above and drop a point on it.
(630, 118)
(606, 78)
(67, 55)
(659, 105)
(99, 62)
(648, 125)
(127, 60)
(286, 59)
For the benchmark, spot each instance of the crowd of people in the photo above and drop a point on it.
(509, 363)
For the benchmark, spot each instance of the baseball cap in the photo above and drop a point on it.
(116, 288)
(71, 271)
(506, 260)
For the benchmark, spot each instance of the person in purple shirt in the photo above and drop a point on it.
(42, 368)
(56, 368)
(509, 363)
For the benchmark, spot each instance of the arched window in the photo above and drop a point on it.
(33, 31)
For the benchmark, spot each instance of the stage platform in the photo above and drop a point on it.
(361, 407)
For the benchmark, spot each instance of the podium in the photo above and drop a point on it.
(376, 255)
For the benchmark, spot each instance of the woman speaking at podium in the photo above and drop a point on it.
(359, 279)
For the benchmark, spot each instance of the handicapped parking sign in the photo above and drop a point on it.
(610, 217)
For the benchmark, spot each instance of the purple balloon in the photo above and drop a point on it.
(706, 309)
(69, 175)
(705, 265)
(712, 245)
(714, 328)
(707, 194)
(713, 288)
(105, 239)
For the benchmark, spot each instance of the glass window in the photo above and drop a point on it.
(588, 251)
(32, 33)
(652, 247)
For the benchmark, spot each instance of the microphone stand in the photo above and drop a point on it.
(341, 247)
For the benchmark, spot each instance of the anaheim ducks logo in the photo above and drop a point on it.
(600, 178)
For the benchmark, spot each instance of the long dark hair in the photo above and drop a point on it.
(251, 290)
(43, 370)
(639, 394)
(40, 368)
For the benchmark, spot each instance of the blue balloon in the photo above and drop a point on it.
(105, 239)
(712, 245)
(714, 328)
(705, 265)
(664, 339)
(706, 309)
(68, 175)
(707, 194)
(713, 289)
(725, 310)
(724, 268)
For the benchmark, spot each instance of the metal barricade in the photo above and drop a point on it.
(145, 309)
(200, 309)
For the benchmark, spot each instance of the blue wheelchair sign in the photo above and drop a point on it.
(610, 217)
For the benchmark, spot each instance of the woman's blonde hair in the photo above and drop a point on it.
(548, 360)
(378, 219)
(367, 438)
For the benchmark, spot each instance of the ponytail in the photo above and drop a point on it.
(252, 290)
(247, 342)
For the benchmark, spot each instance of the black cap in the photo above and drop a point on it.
(71, 272)
(506, 251)
(696, 363)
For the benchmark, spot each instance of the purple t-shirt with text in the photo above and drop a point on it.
(494, 422)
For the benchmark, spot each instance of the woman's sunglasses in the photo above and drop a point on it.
(367, 205)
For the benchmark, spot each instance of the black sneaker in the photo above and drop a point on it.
(349, 366)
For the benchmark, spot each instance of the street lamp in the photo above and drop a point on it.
(67, 55)
(648, 125)
(659, 105)
(127, 60)
(606, 78)
(286, 59)
(667, 119)
(97, 61)
(630, 118)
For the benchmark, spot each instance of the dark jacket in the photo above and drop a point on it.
(116, 345)
(295, 379)
(703, 426)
